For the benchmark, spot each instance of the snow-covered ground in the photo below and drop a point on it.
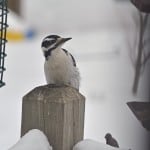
(103, 54)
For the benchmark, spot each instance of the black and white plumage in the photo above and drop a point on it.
(111, 140)
(60, 66)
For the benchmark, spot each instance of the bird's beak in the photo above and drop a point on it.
(66, 39)
(63, 40)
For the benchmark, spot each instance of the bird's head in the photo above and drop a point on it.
(108, 135)
(51, 43)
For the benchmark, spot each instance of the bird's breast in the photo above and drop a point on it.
(57, 69)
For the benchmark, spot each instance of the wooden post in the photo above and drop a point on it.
(58, 112)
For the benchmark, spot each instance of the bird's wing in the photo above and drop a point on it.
(67, 53)
(114, 142)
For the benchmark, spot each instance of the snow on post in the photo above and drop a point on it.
(58, 112)
(32, 140)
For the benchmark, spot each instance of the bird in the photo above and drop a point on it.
(60, 66)
(111, 140)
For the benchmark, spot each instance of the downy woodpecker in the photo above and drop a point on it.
(60, 66)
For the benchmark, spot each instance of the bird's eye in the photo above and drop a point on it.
(52, 41)
(47, 43)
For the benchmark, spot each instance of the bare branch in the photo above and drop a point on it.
(140, 48)
(146, 58)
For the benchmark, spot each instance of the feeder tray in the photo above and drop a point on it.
(142, 112)
(142, 5)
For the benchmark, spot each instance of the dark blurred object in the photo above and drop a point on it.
(14, 5)
(122, 0)
(142, 112)
(111, 140)
(142, 56)
(142, 5)
(3, 27)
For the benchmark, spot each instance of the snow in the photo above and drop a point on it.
(89, 144)
(69, 15)
(17, 23)
(36, 140)
(32, 140)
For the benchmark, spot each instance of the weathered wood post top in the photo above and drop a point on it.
(58, 111)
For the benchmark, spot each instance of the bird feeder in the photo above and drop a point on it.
(3, 27)
(142, 112)
(142, 5)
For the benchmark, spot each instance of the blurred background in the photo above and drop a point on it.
(105, 45)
